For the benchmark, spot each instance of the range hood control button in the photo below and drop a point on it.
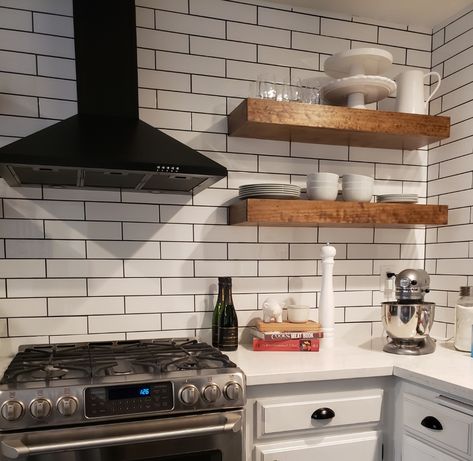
(12, 410)
(211, 393)
(189, 395)
(232, 391)
(40, 408)
(67, 406)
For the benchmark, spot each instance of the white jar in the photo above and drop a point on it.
(464, 319)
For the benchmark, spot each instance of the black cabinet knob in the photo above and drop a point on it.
(323, 413)
(431, 422)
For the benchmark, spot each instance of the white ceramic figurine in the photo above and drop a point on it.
(272, 311)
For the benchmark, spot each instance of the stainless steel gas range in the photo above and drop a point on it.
(163, 399)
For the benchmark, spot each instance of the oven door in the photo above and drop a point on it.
(200, 437)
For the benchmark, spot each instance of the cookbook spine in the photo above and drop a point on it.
(306, 345)
(280, 336)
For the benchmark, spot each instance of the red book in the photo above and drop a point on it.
(306, 345)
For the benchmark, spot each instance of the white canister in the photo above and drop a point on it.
(464, 319)
(410, 91)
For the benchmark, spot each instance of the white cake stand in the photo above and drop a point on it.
(367, 61)
(358, 90)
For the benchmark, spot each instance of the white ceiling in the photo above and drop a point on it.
(427, 13)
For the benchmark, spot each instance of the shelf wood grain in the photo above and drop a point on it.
(272, 212)
(321, 124)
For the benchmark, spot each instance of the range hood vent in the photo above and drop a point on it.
(105, 144)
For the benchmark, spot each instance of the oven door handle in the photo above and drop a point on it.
(82, 438)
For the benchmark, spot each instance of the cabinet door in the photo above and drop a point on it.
(413, 450)
(365, 446)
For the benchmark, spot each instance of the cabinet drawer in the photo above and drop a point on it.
(295, 413)
(365, 446)
(456, 427)
(413, 450)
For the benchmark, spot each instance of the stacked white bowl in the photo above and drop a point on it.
(322, 186)
(357, 187)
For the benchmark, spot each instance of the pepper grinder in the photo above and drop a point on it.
(326, 305)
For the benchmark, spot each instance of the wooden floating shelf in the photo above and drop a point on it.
(272, 212)
(321, 124)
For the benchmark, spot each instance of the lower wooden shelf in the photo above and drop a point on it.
(271, 212)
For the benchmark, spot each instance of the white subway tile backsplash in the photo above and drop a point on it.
(161, 40)
(221, 86)
(123, 286)
(208, 122)
(166, 119)
(405, 39)
(123, 249)
(148, 78)
(373, 251)
(44, 249)
(413, 236)
(287, 234)
(178, 62)
(85, 306)
(452, 47)
(153, 268)
(223, 10)
(290, 58)
(15, 19)
(284, 267)
(345, 235)
(84, 268)
(19, 105)
(418, 58)
(460, 26)
(229, 268)
(121, 212)
(188, 286)
(34, 288)
(288, 20)
(155, 304)
(144, 18)
(450, 184)
(258, 251)
(258, 146)
(158, 198)
(180, 6)
(47, 326)
(53, 24)
(194, 215)
(17, 62)
(77, 230)
(290, 165)
(319, 43)
(215, 197)
(210, 233)
(32, 209)
(191, 102)
(129, 322)
(19, 127)
(258, 34)
(350, 30)
(143, 231)
(22, 268)
(180, 321)
(21, 228)
(34, 307)
(58, 110)
(188, 24)
(188, 250)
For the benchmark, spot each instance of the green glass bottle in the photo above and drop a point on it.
(217, 311)
(228, 323)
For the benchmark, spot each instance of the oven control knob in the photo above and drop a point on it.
(211, 393)
(232, 391)
(67, 406)
(189, 394)
(12, 410)
(40, 408)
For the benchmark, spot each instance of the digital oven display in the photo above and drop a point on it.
(129, 392)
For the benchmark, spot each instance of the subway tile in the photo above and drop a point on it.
(155, 304)
(363, 314)
(362, 282)
(53, 25)
(34, 288)
(287, 234)
(87, 338)
(85, 306)
(191, 250)
(22, 268)
(290, 165)
(418, 58)
(412, 252)
(251, 71)
(123, 249)
(457, 199)
(290, 58)
(350, 30)
(288, 20)
(188, 286)
(258, 146)
(319, 43)
(44, 249)
(215, 197)
(19, 105)
(438, 39)
(346, 234)
(153, 268)
(58, 110)
(84, 268)
(160, 198)
(44, 209)
(405, 39)
(21, 228)
(288, 268)
(15, 19)
(3, 289)
(413, 236)
(457, 97)
(400, 172)
(210, 233)
(166, 119)
(191, 102)
(456, 166)
(47, 326)
(123, 286)
(458, 27)
(223, 10)
(352, 298)
(157, 79)
(318, 151)
(193, 215)
(196, 320)
(238, 161)
(169, 232)
(27, 42)
(260, 285)
(458, 61)
(20, 127)
(10, 345)
(17, 62)
(241, 301)
(455, 233)
(121, 212)
(180, 6)
(187, 24)
(78, 230)
(450, 184)
(258, 251)
(199, 141)
(144, 18)
(221, 86)
(353, 267)
(445, 282)
(146, 60)
(13, 307)
(161, 40)
(452, 47)
(209, 122)
(90, 195)
(129, 322)
(147, 99)
(56, 67)
(18, 192)
(229, 268)
(178, 62)
(363, 154)
(398, 54)
(312, 251)
(258, 34)
(455, 266)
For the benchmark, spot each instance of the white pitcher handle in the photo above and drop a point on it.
(439, 79)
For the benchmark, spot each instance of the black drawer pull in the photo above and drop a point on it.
(430, 422)
(323, 413)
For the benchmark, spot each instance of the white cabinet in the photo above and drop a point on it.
(413, 450)
(317, 420)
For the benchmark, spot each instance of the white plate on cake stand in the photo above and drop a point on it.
(359, 61)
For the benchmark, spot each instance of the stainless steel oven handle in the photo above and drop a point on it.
(18, 446)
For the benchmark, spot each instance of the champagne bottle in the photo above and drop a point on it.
(217, 311)
(228, 324)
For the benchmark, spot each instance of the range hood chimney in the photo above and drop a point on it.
(105, 144)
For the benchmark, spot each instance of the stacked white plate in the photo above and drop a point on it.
(397, 198)
(284, 191)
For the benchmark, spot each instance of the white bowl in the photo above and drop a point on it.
(297, 313)
(332, 177)
(357, 195)
(322, 193)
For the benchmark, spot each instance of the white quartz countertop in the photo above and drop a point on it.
(446, 369)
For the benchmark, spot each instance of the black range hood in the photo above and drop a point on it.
(105, 144)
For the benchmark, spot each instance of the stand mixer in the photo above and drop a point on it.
(408, 320)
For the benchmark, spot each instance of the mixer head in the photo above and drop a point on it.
(411, 285)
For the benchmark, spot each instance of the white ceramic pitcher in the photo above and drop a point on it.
(410, 91)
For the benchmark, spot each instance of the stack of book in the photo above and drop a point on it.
(287, 336)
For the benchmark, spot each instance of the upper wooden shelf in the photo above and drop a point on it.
(272, 212)
(321, 124)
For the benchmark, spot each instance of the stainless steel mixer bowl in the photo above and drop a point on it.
(408, 321)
